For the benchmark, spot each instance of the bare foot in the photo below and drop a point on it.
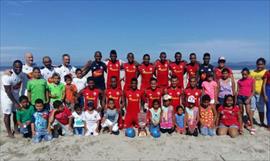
(11, 135)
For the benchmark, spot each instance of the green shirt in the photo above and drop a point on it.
(25, 114)
(37, 88)
(56, 90)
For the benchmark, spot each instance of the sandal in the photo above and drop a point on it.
(252, 131)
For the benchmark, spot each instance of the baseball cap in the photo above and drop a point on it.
(166, 97)
(222, 58)
(191, 99)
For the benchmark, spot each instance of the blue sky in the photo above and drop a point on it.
(238, 30)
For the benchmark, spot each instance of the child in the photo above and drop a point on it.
(92, 119)
(142, 119)
(70, 92)
(245, 91)
(207, 117)
(78, 117)
(39, 123)
(210, 87)
(180, 120)
(226, 86)
(24, 116)
(110, 118)
(229, 119)
(80, 83)
(167, 119)
(56, 89)
(154, 112)
(191, 117)
(60, 119)
(37, 87)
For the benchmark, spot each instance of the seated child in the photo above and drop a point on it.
(78, 117)
(24, 116)
(229, 118)
(167, 120)
(39, 123)
(142, 119)
(154, 112)
(180, 120)
(60, 119)
(92, 119)
(110, 118)
(192, 117)
(207, 117)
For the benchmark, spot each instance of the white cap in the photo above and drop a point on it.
(166, 97)
(191, 99)
(221, 58)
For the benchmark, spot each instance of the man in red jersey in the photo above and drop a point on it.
(131, 70)
(220, 67)
(175, 92)
(90, 93)
(193, 67)
(113, 69)
(146, 70)
(117, 95)
(178, 68)
(151, 94)
(192, 90)
(132, 101)
(162, 71)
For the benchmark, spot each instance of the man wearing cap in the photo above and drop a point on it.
(220, 67)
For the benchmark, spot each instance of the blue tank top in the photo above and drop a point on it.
(179, 119)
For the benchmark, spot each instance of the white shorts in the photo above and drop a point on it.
(91, 130)
(7, 106)
(109, 123)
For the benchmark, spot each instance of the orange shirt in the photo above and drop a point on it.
(70, 94)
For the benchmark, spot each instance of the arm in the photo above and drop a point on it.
(264, 90)
(240, 121)
(33, 129)
(18, 118)
(233, 86)
(217, 118)
(63, 94)
(86, 68)
(10, 95)
(215, 115)
(216, 93)
(252, 93)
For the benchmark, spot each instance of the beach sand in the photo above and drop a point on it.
(167, 147)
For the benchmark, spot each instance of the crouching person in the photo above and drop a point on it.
(110, 119)
(39, 124)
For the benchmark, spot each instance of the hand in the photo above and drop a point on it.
(70, 128)
(33, 133)
(247, 101)
(110, 128)
(53, 96)
(28, 123)
(103, 120)
(18, 105)
(266, 99)
(241, 131)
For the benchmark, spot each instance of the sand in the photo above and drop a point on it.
(167, 147)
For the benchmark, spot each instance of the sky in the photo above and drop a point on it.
(238, 30)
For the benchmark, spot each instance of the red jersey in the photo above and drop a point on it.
(151, 95)
(113, 70)
(162, 72)
(146, 74)
(179, 71)
(218, 73)
(115, 94)
(133, 99)
(130, 72)
(193, 92)
(175, 94)
(229, 117)
(192, 69)
(90, 95)
(63, 116)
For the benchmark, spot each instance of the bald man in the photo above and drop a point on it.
(29, 63)
(48, 69)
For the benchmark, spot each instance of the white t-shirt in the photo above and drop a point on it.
(80, 83)
(28, 69)
(78, 119)
(91, 118)
(64, 70)
(47, 73)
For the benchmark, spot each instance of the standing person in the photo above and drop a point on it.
(70, 92)
(266, 91)
(167, 116)
(113, 69)
(258, 100)
(152, 93)
(56, 89)
(175, 92)
(48, 69)
(192, 90)
(80, 82)
(226, 86)
(146, 70)
(131, 70)
(65, 68)
(29, 64)
(98, 68)
(193, 66)
(209, 87)
(37, 87)
(162, 71)
(204, 69)
(132, 101)
(245, 92)
(178, 68)
(10, 89)
(220, 67)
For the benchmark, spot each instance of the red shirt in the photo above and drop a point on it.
(175, 94)
(218, 73)
(151, 95)
(162, 72)
(229, 117)
(267, 76)
(146, 74)
(90, 95)
(192, 70)
(133, 99)
(115, 94)
(179, 71)
(130, 72)
(113, 70)
(63, 116)
(193, 92)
